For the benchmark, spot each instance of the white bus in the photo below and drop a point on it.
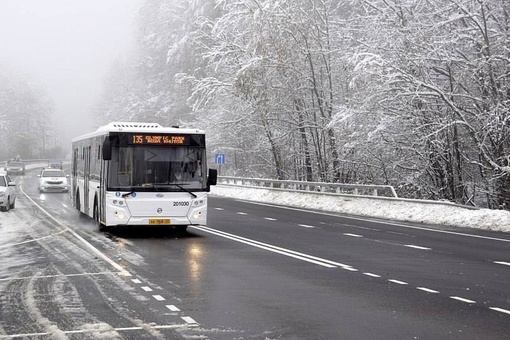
(133, 174)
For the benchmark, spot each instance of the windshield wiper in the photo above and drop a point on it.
(129, 193)
(180, 186)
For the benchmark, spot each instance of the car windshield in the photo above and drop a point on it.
(53, 173)
(16, 164)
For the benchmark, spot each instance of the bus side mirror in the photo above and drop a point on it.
(107, 150)
(212, 179)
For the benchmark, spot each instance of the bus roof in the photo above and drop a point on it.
(136, 127)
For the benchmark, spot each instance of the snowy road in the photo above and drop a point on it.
(256, 272)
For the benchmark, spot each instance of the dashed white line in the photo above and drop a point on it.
(397, 282)
(219, 208)
(270, 218)
(241, 213)
(306, 226)
(416, 247)
(503, 263)
(462, 299)
(371, 275)
(188, 319)
(428, 290)
(353, 235)
(351, 269)
(501, 310)
(159, 297)
(136, 281)
(147, 289)
(173, 308)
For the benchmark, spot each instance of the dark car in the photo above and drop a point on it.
(15, 168)
(55, 165)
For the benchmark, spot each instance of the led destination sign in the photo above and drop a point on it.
(161, 139)
(158, 139)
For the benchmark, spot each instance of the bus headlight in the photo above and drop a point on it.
(197, 214)
(198, 202)
(118, 202)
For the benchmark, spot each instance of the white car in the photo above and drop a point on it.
(7, 193)
(53, 180)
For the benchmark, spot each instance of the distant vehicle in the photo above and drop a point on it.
(7, 192)
(52, 180)
(133, 174)
(15, 168)
(55, 164)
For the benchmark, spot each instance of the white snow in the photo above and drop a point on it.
(456, 216)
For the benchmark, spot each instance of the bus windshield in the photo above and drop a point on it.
(157, 168)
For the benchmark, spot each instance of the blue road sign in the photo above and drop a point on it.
(219, 158)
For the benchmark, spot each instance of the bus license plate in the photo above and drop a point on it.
(159, 221)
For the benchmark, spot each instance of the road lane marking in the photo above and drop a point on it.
(34, 239)
(136, 281)
(375, 220)
(188, 319)
(501, 310)
(173, 308)
(416, 247)
(397, 282)
(306, 226)
(462, 299)
(352, 235)
(428, 290)
(147, 289)
(351, 269)
(503, 263)
(159, 297)
(270, 218)
(92, 331)
(122, 271)
(371, 275)
(241, 213)
(219, 209)
(287, 252)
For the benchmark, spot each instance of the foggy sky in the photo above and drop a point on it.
(67, 46)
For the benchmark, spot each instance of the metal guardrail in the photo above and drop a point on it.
(321, 187)
(382, 192)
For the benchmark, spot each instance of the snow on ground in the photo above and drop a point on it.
(393, 209)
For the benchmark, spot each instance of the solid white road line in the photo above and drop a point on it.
(392, 223)
(122, 271)
(287, 252)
